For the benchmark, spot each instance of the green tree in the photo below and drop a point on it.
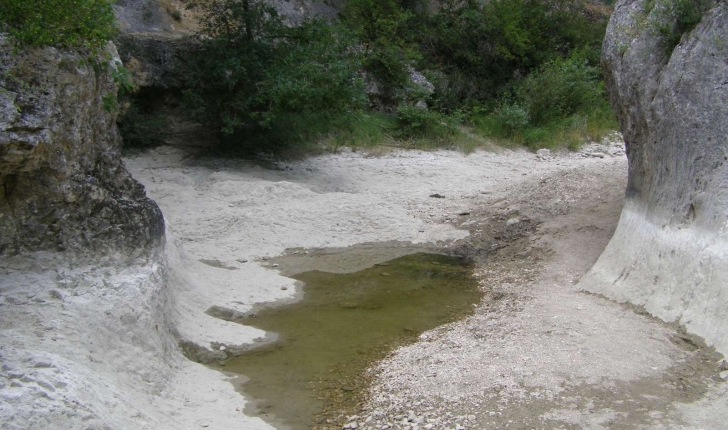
(378, 25)
(316, 75)
(253, 78)
(237, 43)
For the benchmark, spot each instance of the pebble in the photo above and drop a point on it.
(723, 365)
(471, 417)
(513, 221)
(222, 348)
(724, 374)
(276, 265)
(543, 154)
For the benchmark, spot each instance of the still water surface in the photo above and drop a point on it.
(344, 323)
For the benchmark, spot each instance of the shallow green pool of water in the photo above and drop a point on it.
(344, 323)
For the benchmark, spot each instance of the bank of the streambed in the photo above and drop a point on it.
(344, 322)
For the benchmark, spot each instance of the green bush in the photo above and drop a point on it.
(175, 14)
(560, 88)
(562, 103)
(677, 17)
(589, 124)
(418, 122)
(65, 23)
(140, 128)
(360, 130)
(258, 83)
(513, 118)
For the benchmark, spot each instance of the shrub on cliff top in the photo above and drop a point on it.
(64, 23)
(677, 17)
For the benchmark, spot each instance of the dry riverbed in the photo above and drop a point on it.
(536, 353)
(95, 344)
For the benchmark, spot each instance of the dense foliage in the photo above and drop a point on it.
(481, 49)
(523, 70)
(562, 101)
(253, 78)
(58, 22)
(378, 27)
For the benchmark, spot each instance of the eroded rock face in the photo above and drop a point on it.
(62, 182)
(670, 250)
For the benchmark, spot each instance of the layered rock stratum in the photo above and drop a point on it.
(670, 250)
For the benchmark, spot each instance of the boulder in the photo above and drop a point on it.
(670, 250)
